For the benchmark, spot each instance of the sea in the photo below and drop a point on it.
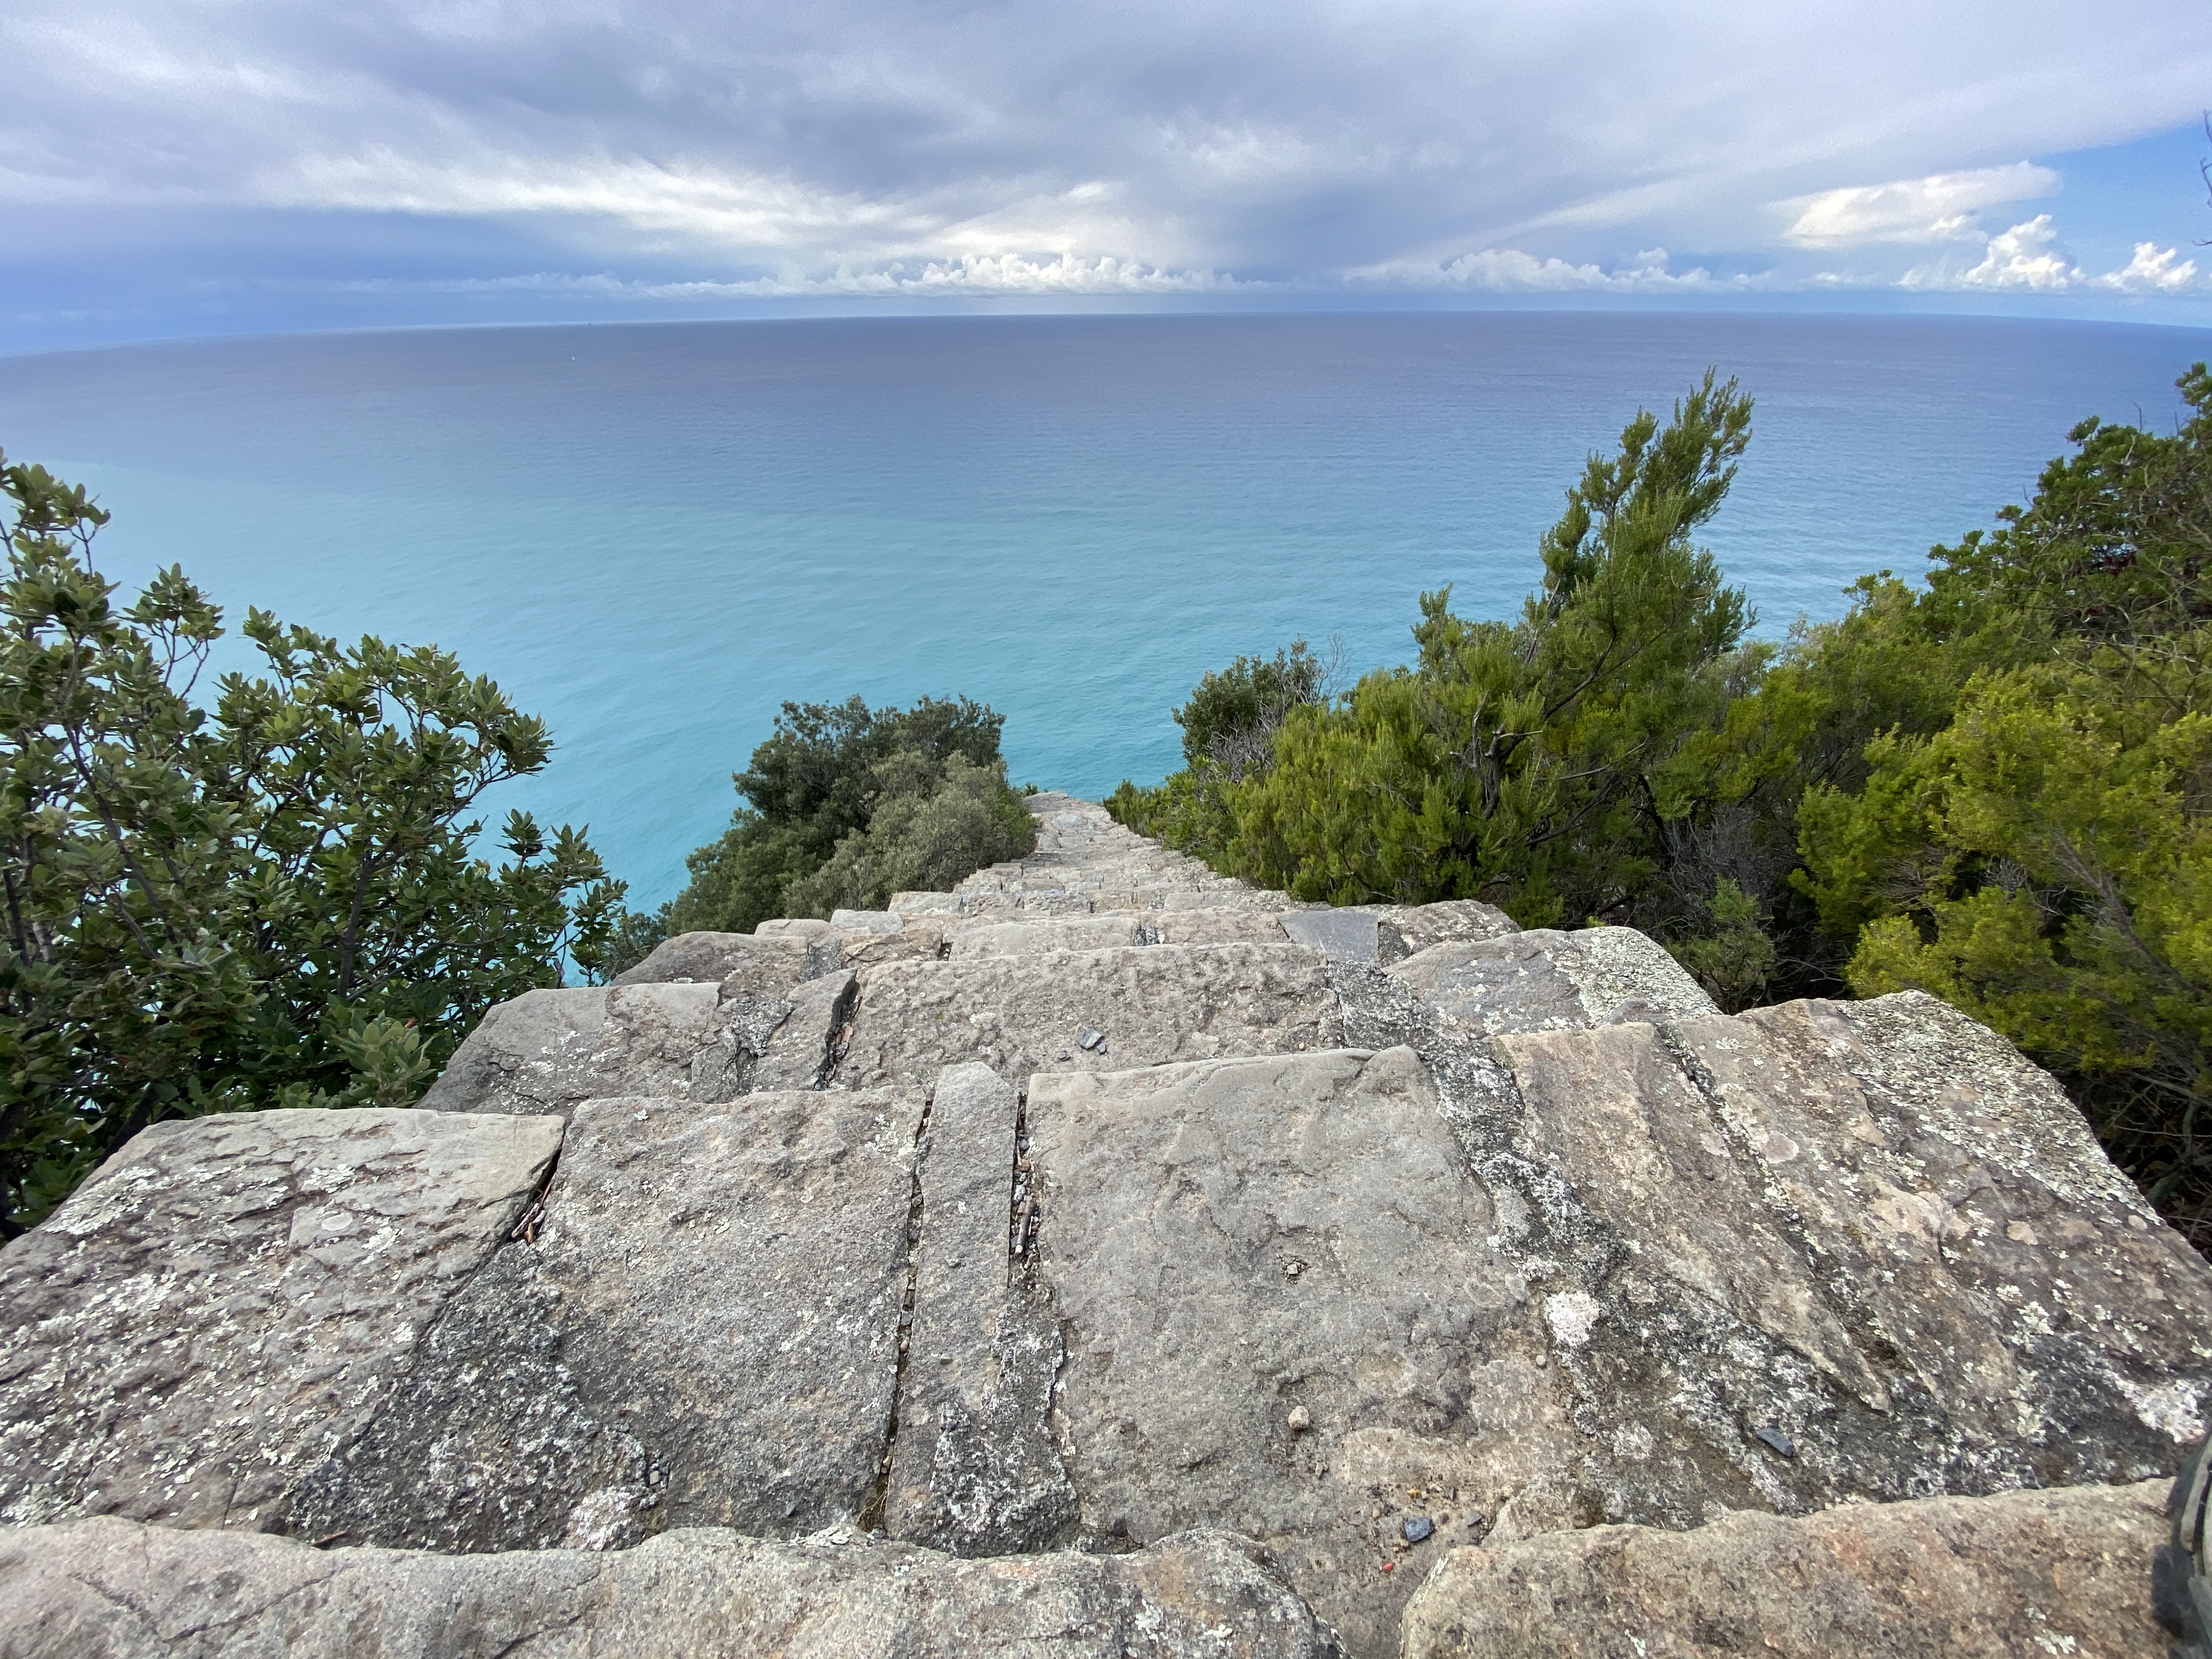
(654, 535)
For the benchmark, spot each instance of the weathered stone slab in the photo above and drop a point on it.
(1447, 921)
(1285, 1315)
(806, 1042)
(1961, 1211)
(491, 1441)
(2025, 1573)
(1231, 926)
(710, 1313)
(107, 1589)
(911, 905)
(921, 938)
(1544, 980)
(974, 1469)
(228, 1300)
(1151, 1004)
(1030, 939)
(753, 965)
(866, 922)
(1824, 1252)
(1343, 936)
(546, 1050)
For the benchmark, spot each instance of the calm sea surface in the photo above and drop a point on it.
(654, 535)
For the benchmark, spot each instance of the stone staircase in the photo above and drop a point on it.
(1109, 1257)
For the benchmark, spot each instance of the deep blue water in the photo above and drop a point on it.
(652, 535)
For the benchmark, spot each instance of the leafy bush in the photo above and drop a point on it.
(2044, 858)
(273, 902)
(846, 806)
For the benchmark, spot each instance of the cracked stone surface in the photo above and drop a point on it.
(1226, 1244)
(548, 1050)
(1544, 980)
(1871, 1229)
(491, 1441)
(743, 964)
(108, 1589)
(1154, 1004)
(2029, 1573)
(227, 1299)
(974, 1469)
(709, 1319)
(1029, 939)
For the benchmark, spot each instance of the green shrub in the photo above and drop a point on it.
(273, 901)
(845, 806)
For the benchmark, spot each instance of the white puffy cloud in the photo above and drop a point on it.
(2030, 258)
(2153, 271)
(1511, 271)
(1939, 208)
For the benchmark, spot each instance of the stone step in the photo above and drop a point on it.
(1034, 1217)
(1284, 1313)
(1085, 1010)
(2025, 1572)
(1359, 1305)
(230, 1299)
(700, 1329)
(1544, 980)
(109, 1588)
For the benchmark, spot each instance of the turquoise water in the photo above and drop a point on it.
(652, 535)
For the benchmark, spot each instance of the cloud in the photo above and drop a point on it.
(1510, 271)
(2029, 258)
(2153, 271)
(974, 276)
(1939, 208)
(1093, 146)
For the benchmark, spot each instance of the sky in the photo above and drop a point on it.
(177, 168)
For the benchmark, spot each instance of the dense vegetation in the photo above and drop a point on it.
(273, 901)
(1997, 787)
(845, 806)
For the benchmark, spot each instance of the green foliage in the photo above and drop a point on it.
(2044, 858)
(1538, 762)
(273, 902)
(846, 806)
(1229, 727)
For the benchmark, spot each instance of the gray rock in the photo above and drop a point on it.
(1871, 1228)
(546, 1050)
(806, 1043)
(2065, 1572)
(107, 1589)
(910, 905)
(974, 1468)
(1544, 980)
(920, 939)
(1027, 938)
(866, 922)
(709, 1320)
(1176, 1202)
(802, 928)
(1232, 926)
(1447, 921)
(1348, 935)
(748, 964)
(1159, 1002)
(491, 1441)
(228, 1300)
(733, 1276)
